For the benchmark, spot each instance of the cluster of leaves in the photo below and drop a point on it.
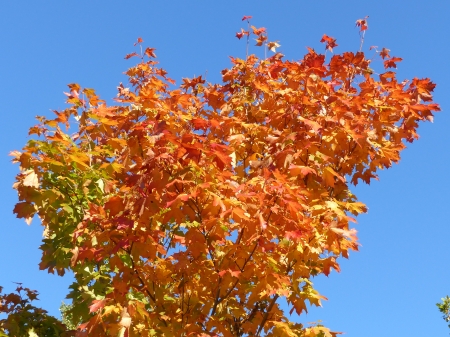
(444, 308)
(191, 211)
(24, 319)
(67, 317)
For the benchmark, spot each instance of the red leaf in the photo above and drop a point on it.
(247, 17)
(128, 56)
(150, 52)
(293, 235)
(96, 305)
(330, 42)
(240, 34)
(391, 63)
(362, 24)
(384, 53)
(124, 223)
(200, 123)
(222, 159)
(139, 41)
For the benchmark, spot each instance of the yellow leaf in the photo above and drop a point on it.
(301, 170)
(329, 174)
(283, 329)
(78, 160)
(356, 207)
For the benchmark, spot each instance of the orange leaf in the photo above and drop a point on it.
(303, 171)
(114, 205)
(312, 124)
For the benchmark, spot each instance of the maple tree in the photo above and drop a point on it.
(444, 308)
(24, 319)
(190, 211)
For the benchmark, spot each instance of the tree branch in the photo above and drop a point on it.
(266, 314)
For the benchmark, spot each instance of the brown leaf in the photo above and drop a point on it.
(24, 210)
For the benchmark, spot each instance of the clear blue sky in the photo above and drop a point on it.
(391, 286)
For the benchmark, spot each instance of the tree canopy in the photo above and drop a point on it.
(190, 210)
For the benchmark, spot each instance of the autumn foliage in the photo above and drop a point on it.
(190, 211)
(24, 319)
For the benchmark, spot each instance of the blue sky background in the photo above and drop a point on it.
(391, 286)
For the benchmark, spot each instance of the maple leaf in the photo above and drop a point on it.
(221, 157)
(262, 222)
(114, 205)
(356, 207)
(258, 31)
(150, 52)
(362, 24)
(74, 87)
(128, 56)
(283, 329)
(384, 53)
(180, 197)
(31, 179)
(301, 170)
(391, 63)
(311, 123)
(97, 305)
(200, 124)
(125, 319)
(294, 235)
(240, 34)
(329, 174)
(192, 83)
(24, 210)
(139, 41)
(330, 43)
(272, 46)
(260, 40)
